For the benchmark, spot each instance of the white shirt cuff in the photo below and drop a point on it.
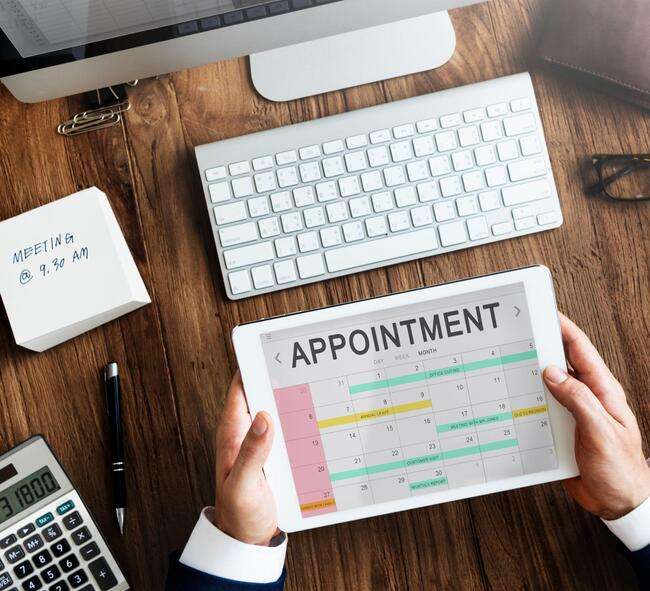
(215, 553)
(633, 529)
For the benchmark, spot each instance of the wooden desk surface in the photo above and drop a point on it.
(176, 355)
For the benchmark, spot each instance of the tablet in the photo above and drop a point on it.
(410, 399)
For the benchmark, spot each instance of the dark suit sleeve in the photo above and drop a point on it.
(184, 578)
(640, 561)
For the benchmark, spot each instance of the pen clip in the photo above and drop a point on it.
(110, 371)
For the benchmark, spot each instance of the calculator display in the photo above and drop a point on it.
(27, 492)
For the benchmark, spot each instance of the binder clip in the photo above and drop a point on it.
(108, 104)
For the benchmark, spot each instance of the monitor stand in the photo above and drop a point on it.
(350, 59)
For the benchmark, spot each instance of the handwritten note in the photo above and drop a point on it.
(65, 268)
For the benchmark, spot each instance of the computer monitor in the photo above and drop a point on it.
(54, 48)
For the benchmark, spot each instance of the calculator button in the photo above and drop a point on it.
(72, 521)
(32, 584)
(42, 559)
(23, 569)
(60, 548)
(52, 532)
(7, 541)
(63, 509)
(5, 581)
(77, 579)
(69, 563)
(103, 574)
(43, 520)
(50, 574)
(26, 530)
(60, 586)
(14, 555)
(89, 551)
(1, 565)
(81, 536)
(34, 543)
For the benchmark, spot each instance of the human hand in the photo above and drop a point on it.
(245, 507)
(614, 476)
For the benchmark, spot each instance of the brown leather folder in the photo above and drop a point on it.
(605, 42)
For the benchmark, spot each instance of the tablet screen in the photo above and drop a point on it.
(432, 396)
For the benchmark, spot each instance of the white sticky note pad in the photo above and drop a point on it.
(65, 268)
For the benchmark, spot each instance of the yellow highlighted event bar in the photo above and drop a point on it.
(531, 410)
(369, 415)
(316, 505)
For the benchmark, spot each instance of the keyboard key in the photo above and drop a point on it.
(452, 234)
(519, 124)
(43, 520)
(401, 151)
(310, 172)
(65, 507)
(262, 279)
(526, 193)
(450, 186)
(376, 226)
(469, 136)
(491, 131)
(60, 548)
(258, 207)
(485, 155)
(337, 212)
(398, 221)
(467, 206)
(310, 266)
(526, 169)
(265, 182)
(378, 156)
(403, 131)
(444, 211)
(7, 541)
(496, 176)
(263, 163)
(51, 574)
(288, 177)
(5, 581)
(308, 242)
(525, 224)
(314, 217)
(489, 200)
(285, 247)
(248, 255)
(353, 232)
(473, 181)
(522, 104)
(427, 125)
(269, 227)
(545, 219)
(333, 167)
(446, 141)
(284, 158)
(281, 201)
(502, 228)
(243, 187)
(417, 171)
(371, 181)
(227, 214)
(406, 196)
(102, 574)
(474, 115)
(42, 559)
(310, 152)
(216, 174)
(14, 554)
(381, 250)
(79, 577)
(439, 166)
(452, 120)
(498, 110)
(360, 207)
(326, 191)
(428, 191)
(240, 234)
(291, 222)
(23, 569)
(32, 584)
(219, 192)
(349, 186)
(333, 147)
(380, 136)
(394, 176)
(238, 168)
(530, 145)
(508, 150)
(424, 146)
(478, 228)
(382, 202)
(81, 536)
(356, 161)
(421, 216)
(304, 196)
(356, 141)
(462, 160)
(26, 530)
(69, 563)
(63, 586)
(285, 272)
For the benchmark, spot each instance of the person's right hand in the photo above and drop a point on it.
(614, 476)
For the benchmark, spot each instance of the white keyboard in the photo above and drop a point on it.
(379, 186)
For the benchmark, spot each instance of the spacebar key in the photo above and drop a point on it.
(378, 251)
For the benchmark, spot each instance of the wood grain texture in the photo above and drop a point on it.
(176, 354)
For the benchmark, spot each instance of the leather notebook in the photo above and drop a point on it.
(605, 42)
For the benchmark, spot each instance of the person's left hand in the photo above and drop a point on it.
(245, 508)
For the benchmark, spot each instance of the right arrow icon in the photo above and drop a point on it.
(517, 312)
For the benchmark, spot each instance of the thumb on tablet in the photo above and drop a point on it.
(256, 447)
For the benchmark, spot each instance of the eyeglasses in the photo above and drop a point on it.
(622, 178)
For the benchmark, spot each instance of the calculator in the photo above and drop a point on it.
(48, 539)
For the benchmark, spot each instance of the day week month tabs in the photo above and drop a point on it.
(427, 397)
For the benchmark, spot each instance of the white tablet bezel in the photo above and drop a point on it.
(546, 331)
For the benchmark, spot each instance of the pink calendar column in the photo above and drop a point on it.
(305, 448)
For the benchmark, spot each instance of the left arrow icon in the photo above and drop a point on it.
(277, 358)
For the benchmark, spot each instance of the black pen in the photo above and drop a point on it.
(112, 384)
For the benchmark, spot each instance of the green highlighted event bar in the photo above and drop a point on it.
(445, 455)
(444, 371)
(428, 483)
